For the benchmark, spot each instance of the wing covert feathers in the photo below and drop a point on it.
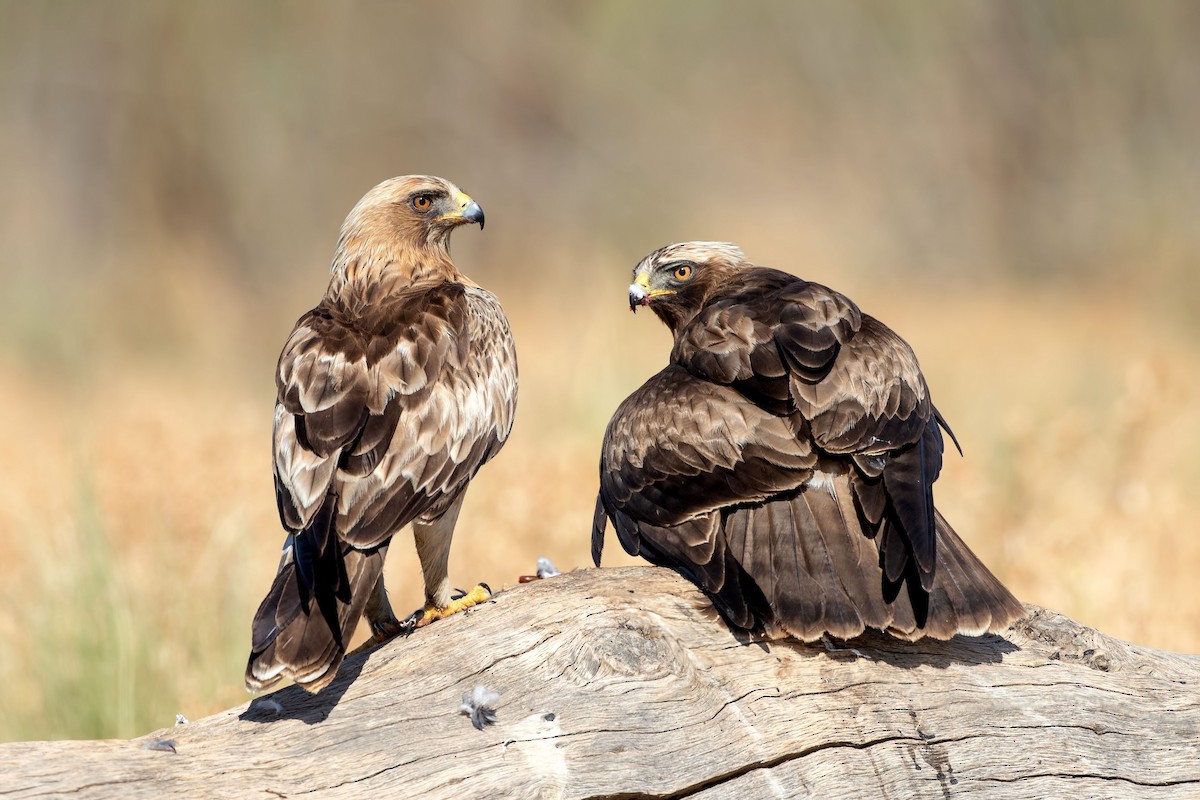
(784, 461)
(391, 394)
(380, 421)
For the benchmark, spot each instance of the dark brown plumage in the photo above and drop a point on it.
(392, 393)
(784, 460)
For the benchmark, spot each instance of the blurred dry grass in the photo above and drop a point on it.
(1011, 186)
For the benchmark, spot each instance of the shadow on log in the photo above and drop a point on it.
(622, 683)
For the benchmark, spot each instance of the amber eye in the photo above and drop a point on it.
(683, 272)
(422, 202)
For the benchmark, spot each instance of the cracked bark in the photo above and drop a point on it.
(624, 684)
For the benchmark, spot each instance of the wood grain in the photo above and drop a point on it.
(623, 683)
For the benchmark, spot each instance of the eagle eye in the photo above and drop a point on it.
(683, 272)
(422, 202)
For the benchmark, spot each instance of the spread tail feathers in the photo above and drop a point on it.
(822, 572)
(966, 597)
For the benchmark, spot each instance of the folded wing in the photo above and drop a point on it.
(785, 462)
(379, 421)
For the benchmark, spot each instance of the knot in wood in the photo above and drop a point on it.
(622, 644)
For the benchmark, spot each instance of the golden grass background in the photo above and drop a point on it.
(1011, 186)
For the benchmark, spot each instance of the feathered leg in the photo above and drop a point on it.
(433, 549)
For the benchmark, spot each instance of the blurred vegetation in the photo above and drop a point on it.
(1013, 186)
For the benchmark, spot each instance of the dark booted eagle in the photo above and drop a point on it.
(784, 460)
(392, 393)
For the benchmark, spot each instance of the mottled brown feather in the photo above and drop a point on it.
(392, 393)
(797, 434)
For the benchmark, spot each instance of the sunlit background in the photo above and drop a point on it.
(1012, 186)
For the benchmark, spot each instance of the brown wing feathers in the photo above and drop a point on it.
(785, 463)
(392, 393)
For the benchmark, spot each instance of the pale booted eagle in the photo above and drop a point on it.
(784, 460)
(392, 393)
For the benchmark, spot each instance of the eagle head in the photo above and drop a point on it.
(676, 281)
(405, 219)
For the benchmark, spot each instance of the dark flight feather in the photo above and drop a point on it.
(784, 461)
(392, 393)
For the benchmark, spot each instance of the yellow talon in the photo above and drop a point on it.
(432, 613)
(387, 627)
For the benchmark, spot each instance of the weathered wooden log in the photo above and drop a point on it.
(623, 683)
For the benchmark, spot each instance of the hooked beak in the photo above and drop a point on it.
(639, 292)
(468, 211)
